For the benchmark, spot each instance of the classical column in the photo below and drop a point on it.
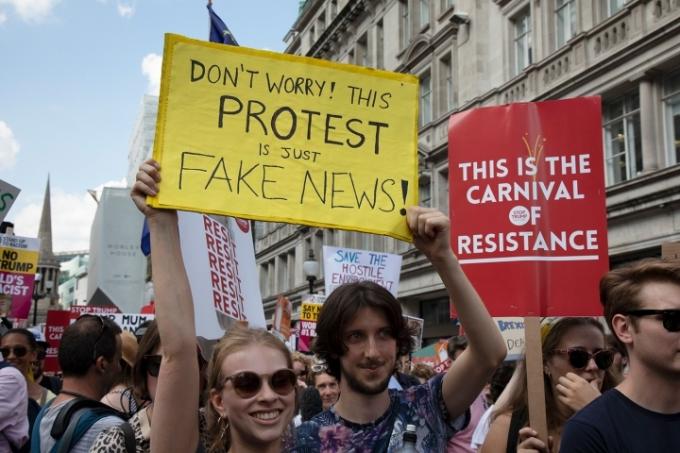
(650, 161)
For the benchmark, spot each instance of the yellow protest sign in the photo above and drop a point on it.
(277, 137)
(309, 311)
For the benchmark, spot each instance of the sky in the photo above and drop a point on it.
(72, 77)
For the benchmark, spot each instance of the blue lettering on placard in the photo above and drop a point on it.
(342, 256)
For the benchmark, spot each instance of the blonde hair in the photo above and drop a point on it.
(238, 338)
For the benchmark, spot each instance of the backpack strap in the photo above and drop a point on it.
(130, 441)
(77, 417)
(63, 444)
(35, 433)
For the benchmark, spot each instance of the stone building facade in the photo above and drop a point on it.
(471, 53)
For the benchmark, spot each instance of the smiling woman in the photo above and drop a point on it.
(250, 378)
(250, 404)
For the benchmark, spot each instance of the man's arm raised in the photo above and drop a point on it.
(471, 370)
(176, 400)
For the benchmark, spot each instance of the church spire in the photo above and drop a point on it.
(45, 232)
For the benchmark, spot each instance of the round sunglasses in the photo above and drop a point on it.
(579, 358)
(248, 383)
(669, 318)
(19, 351)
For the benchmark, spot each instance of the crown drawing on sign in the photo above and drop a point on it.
(536, 151)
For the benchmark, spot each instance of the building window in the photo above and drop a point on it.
(334, 9)
(425, 99)
(362, 51)
(404, 24)
(613, 6)
(447, 101)
(445, 4)
(443, 190)
(321, 24)
(424, 191)
(522, 40)
(623, 148)
(312, 34)
(380, 45)
(671, 100)
(291, 270)
(435, 312)
(424, 13)
(565, 16)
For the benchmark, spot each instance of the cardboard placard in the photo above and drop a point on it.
(18, 265)
(345, 265)
(277, 137)
(528, 206)
(219, 259)
(8, 193)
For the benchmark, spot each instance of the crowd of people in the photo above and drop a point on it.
(165, 391)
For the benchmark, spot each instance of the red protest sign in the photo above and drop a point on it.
(57, 322)
(527, 204)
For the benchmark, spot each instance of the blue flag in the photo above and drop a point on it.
(219, 32)
(146, 239)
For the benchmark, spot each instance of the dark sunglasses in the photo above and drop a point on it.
(19, 351)
(579, 358)
(669, 318)
(247, 383)
(152, 363)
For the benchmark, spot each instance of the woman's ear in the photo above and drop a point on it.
(218, 403)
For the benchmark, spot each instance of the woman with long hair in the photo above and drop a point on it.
(145, 372)
(251, 383)
(575, 371)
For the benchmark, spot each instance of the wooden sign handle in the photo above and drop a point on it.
(535, 383)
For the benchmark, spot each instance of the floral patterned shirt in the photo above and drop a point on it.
(422, 406)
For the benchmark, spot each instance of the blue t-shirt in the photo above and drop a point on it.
(422, 406)
(614, 423)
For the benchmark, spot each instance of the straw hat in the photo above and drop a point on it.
(129, 347)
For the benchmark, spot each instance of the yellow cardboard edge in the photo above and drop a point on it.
(168, 52)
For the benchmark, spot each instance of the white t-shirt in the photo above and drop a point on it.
(85, 442)
(482, 429)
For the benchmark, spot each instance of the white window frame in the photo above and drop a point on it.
(628, 118)
(613, 6)
(521, 39)
(423, 13)
(404, 23)
(565, 21)
(425, 99)
(671, 105)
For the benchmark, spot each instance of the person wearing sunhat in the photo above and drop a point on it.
(121, 396)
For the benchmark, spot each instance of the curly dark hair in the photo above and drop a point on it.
(340, 309)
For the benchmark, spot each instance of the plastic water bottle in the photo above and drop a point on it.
(410, 438)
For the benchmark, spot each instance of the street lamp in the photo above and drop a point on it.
(311, 270)
(36, 297)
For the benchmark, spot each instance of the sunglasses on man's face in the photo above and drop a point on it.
(19, 351)
(669, 318)
(579, 358)
(248, 383)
